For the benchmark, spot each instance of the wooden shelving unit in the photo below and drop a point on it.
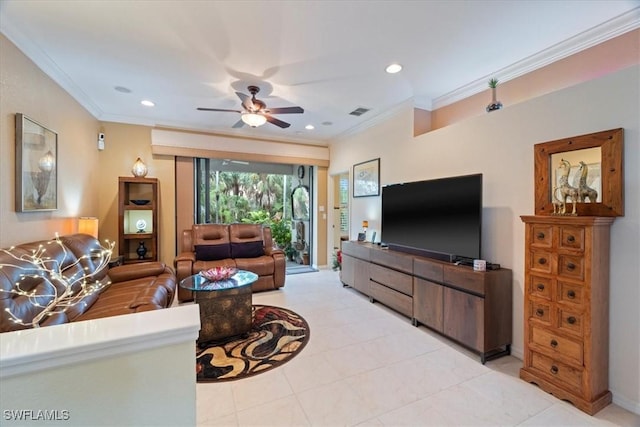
(138, 223)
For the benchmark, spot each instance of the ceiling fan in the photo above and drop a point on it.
(256, 112)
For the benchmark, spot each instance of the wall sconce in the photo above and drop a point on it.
(88, 225)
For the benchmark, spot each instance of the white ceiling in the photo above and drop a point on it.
(325, 56)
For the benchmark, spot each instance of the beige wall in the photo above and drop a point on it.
(321, 217)
(500, 146)
(123, 145)
(25, 89)
(612, 55)
(185, 197)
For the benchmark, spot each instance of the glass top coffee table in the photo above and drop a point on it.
(225, 305)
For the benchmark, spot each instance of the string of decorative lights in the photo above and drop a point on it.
(62, 286)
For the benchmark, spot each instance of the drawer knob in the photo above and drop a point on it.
(540, 287)
(539, 312)
(540, 235)
(553, 343)
(571, 266)
(571, 239)
(571, 320)
(554, 369)
(542, 261)
(571, 294)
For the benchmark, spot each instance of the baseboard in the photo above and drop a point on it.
(626, 403)
(517, 352)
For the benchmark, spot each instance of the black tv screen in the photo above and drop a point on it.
(440, 218)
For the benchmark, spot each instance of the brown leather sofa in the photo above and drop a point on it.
(243, 246)
(134, 287)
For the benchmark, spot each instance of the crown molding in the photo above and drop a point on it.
(624, 23)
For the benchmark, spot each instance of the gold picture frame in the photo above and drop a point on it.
(608, 167)
(36, 166)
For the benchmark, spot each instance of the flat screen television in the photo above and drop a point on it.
(439, 218)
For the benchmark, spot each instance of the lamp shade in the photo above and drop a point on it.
(254, 120)
(365, 224)
(88, 225)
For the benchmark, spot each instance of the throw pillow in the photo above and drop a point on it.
(247, 250)
(212, 252)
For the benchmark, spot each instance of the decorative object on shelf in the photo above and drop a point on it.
(141, 225)
(64, 284)
(366, 178)
(140, 202)
(88, 225)
(565, 190)
(142, 250)
(584, 191)
(216, 274)
(139, 168)
(36, 166)
(597, 176)
(495, 104)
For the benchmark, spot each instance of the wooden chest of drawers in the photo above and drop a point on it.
(566, 308)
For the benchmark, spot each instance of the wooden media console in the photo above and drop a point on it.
(470, 307)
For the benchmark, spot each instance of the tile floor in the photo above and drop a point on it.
(368, 366)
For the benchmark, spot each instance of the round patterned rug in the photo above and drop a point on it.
(276, 336)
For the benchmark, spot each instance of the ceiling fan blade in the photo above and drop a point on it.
(285, 110)
(247, 103)
(238, 124)
(277, 122)
(219, 109)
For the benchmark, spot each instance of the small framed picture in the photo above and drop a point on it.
(36, 166)
(366, 178)
(362, 237)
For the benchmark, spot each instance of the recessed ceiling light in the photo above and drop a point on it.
(147, 103)
(393, 68)
(309, 127)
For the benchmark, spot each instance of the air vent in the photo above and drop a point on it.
(359, 111)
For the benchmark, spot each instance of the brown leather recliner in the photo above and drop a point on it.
(133, 288)
(243, 246)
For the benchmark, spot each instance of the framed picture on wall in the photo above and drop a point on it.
(366, 178)
(587, 167)
(36, 166)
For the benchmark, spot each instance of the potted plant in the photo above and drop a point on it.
(495, 104)
(290, 252)
(337, 261)
(281, 233)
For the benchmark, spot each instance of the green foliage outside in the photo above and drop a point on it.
(255, 198)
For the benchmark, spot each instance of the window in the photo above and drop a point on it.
(230, 191)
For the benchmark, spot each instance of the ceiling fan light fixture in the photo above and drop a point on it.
(254, 120)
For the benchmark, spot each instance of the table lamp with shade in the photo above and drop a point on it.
(88, 225)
